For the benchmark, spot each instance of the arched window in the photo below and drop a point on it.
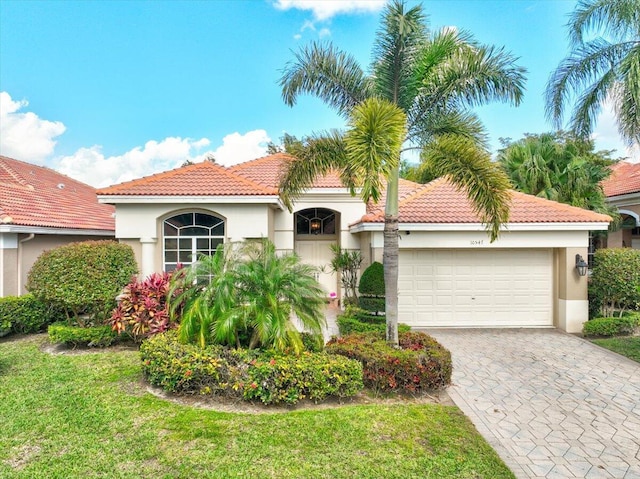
(188, 235)
(315, 221)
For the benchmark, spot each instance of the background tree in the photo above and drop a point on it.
(560, 167)
(417, 95)
(600, 69)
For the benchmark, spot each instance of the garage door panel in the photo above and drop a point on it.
(470, 288)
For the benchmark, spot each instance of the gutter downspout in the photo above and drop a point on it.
(23, 240)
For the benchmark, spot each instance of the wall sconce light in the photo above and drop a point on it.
(581, 266)
(314, 226)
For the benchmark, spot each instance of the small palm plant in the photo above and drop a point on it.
(252, 293)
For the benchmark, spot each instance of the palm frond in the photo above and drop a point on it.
(327, 73)
(585, 65)
(428, 124)
(320, 155)
(395, 51)
(373, 141)
(627, 97)
(470, 169)
(620, 18)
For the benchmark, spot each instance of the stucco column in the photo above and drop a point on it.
(148, 254)
(573, 302)
(9, 264)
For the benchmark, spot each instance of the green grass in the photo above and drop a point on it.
(628, 346)
(88, 416)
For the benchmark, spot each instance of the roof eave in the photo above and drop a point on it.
(151, 199)
(50, 230)
(361, 227)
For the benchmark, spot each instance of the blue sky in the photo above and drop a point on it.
(109, 91)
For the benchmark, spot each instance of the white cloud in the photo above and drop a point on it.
(89, 165)
(324, 32)
(237, 148)
(23, 135)
(606, 136)
(326, 9)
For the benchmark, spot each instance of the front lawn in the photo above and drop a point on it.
(628, 346)
(84, 416)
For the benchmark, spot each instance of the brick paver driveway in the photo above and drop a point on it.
(551, 404)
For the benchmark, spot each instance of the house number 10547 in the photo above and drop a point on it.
(477, 242)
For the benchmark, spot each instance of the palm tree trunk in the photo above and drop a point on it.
(390, 257)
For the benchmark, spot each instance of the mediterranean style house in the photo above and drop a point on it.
(622, 190)
(39, 210)
(450, 274)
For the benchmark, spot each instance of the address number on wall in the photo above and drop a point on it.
(476, 242)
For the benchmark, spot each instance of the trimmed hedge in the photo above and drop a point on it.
(356, 320)
(614, 285)
(269, 377)
(82, 277)
(25, 314)
(421, 364)
(91, 336)
(612, 326)
(371, 288)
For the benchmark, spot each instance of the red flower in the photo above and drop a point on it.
(272, 362)
(188, 372)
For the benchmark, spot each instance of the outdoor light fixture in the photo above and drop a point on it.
(581, 265)
(314, 225)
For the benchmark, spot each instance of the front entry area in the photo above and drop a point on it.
(316, 231)
(476, 288)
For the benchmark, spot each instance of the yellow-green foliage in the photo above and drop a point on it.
(269, 377)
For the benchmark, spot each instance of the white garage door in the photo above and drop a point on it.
(471, 288)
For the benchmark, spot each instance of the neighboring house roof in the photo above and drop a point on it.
(200, 179)
(624, 179)
(440, 202)
(36, 196)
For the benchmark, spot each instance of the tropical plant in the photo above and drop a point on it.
(247, 298)
(347, 263)
(416, 96)
(600, 68)
(143, 310)
(560, 167)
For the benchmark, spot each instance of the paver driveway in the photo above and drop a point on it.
(551, 404)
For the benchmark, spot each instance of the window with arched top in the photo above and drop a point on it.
(189, 235)
(315, 222)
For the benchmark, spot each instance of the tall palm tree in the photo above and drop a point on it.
(416, 96)
(606, 68)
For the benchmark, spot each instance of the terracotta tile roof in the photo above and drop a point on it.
(200, 179)
(624, 179)
(440, 202)
(33, 195)
(268, 170)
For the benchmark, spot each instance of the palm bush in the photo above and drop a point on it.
(245, 296)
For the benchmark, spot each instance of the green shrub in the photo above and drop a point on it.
(92, 336)
(82, 278)
(615, 280)
(371, 288)
(611, 326)
(25, 314)
(312, 342)
(356, 320)
(183, 368)
(247, 374)
(289, 379)
(420, 364)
